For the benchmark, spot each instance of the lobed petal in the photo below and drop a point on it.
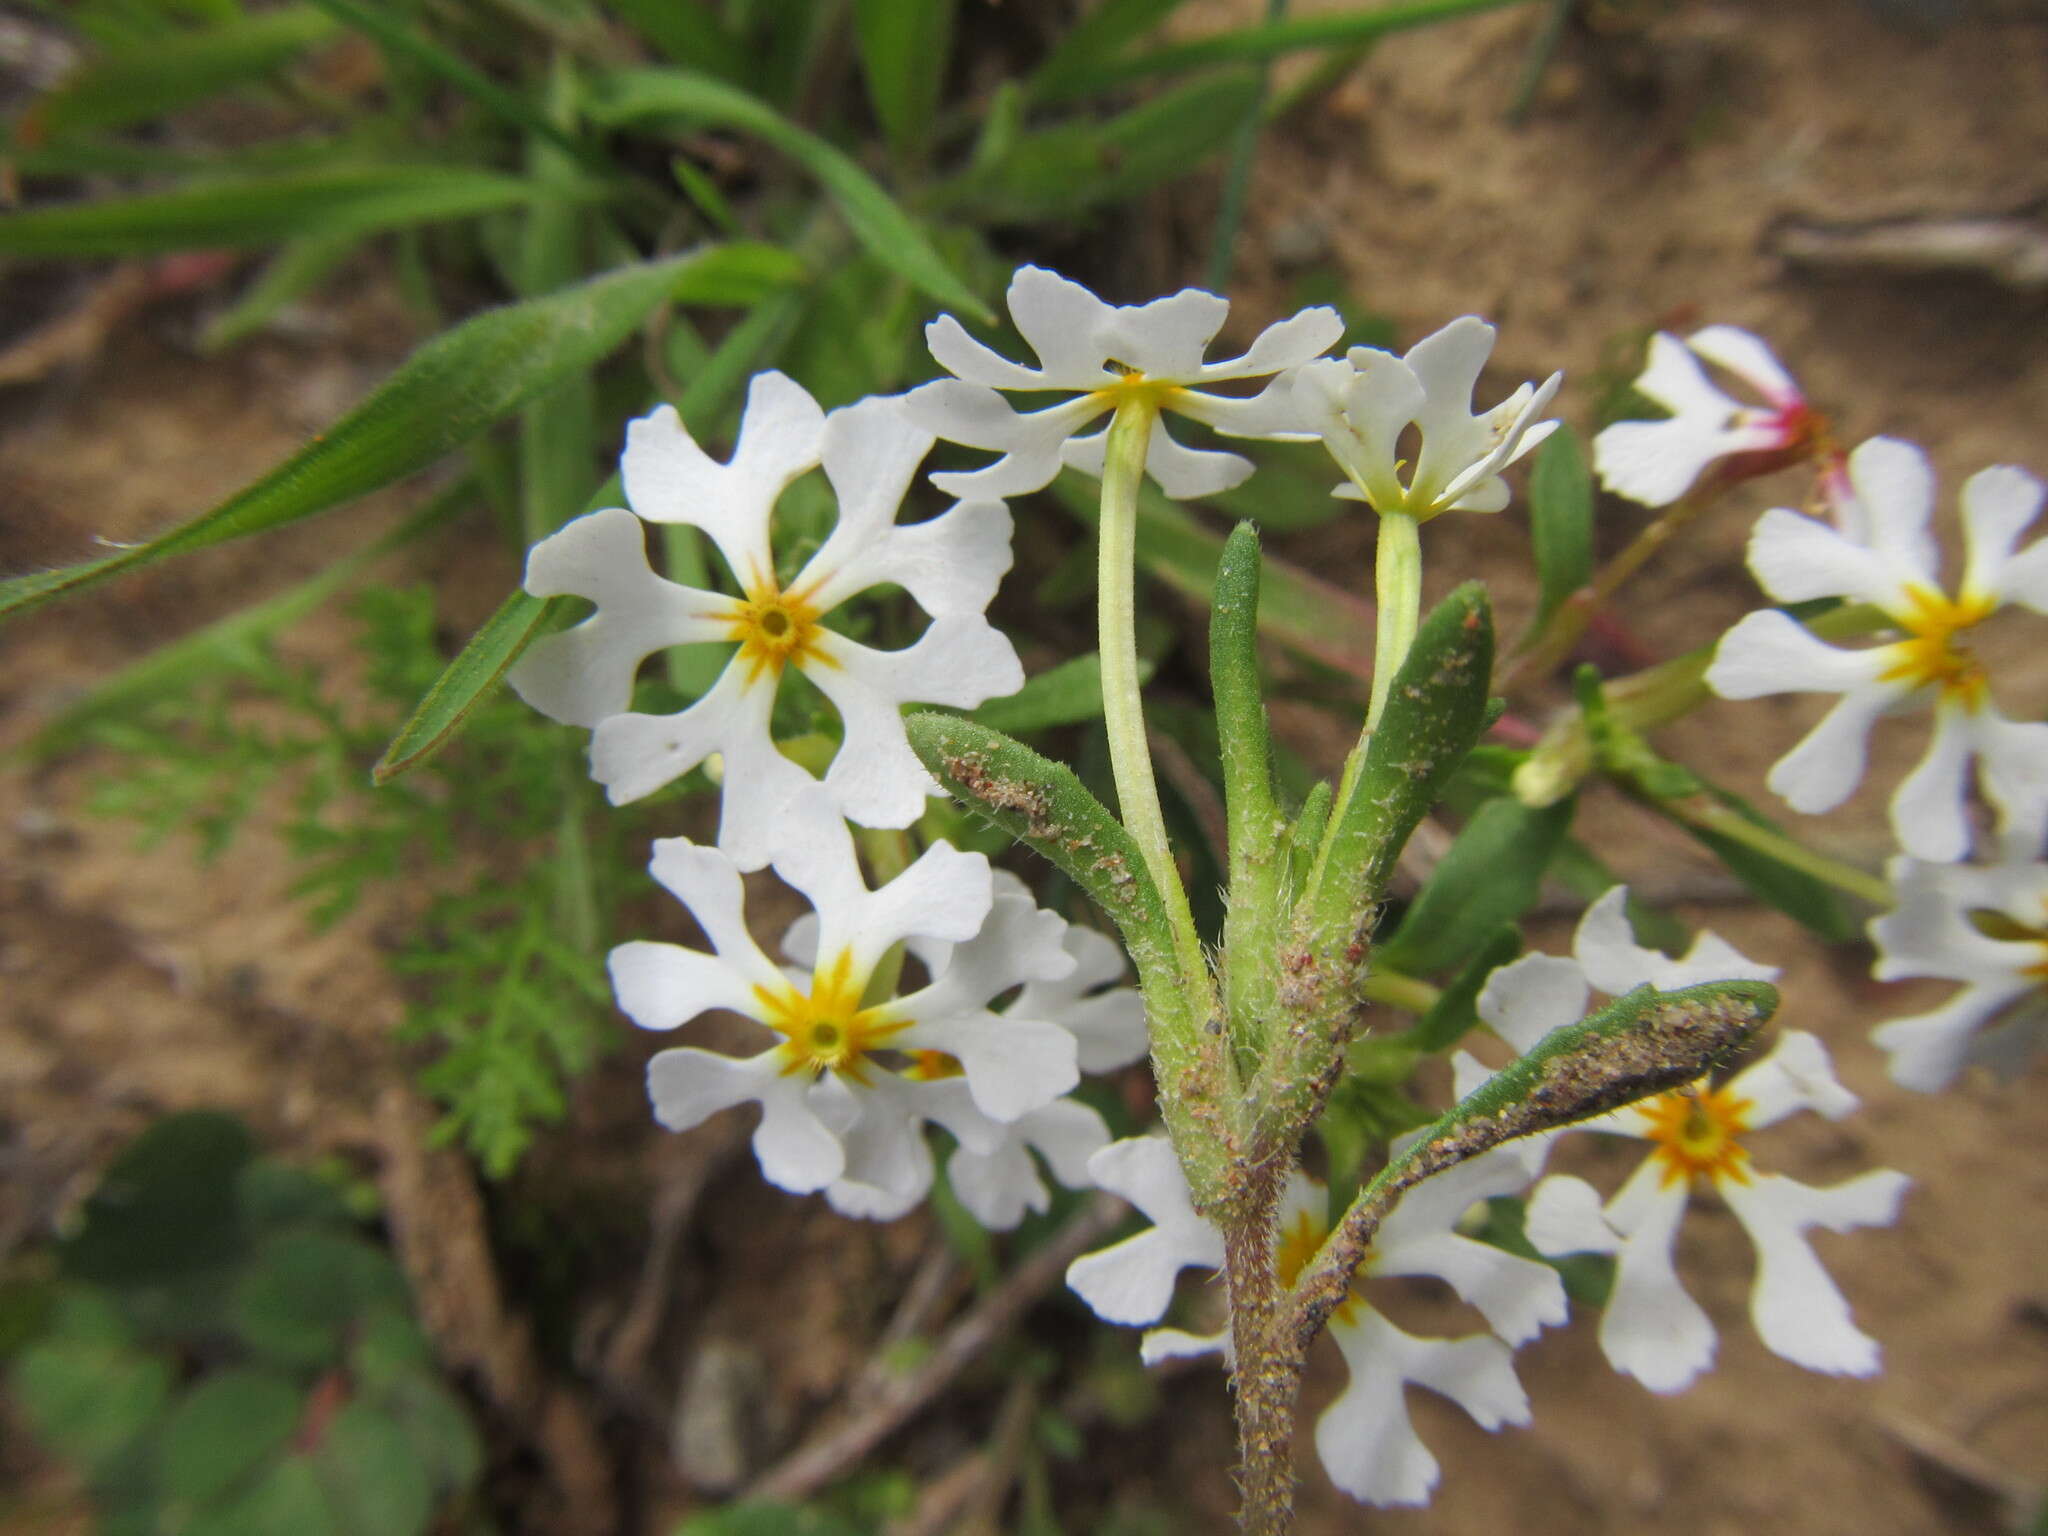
(1605, 948)
(1894, 485)
(1796, 1075)
(1164, 339)
(1745, 355)
(1797, 1309)
(1929, 1050)
(796, 1150)
(663, 986)
(1998, 505)
(1527, 998)
(1796, 558)
(2012, 766)
(1283, 344)
(1930, 808)
(1654, 463)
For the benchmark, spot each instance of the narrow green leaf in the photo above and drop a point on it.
(1490, 877)
(1338, 29)
(467, 682)
(1093, 43)
(447, 393)
(1455, 1009)
(888, 233)
(1065, 170)
(904, 47)
(1309, 615)
(134, 84)
(258, 211)
(1434, 713)
(688, 34)
(297, 269)
(1067, 694)
(1560, 521)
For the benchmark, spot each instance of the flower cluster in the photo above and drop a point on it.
(1877, 554)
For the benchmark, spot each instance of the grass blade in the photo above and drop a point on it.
(448, 392)
(468, 680)
(656, 95)
(261, 211)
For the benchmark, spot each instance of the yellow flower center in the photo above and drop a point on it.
(1933, 656)
(826, 1029)
(776, 629)
(1134, 383)
(930, 1066)
(1698, 1132)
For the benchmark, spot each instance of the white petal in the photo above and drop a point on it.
(1930, 811)
(1796, 1075)
(2012, 764)
(1181, 472)
(1013, 1066)
(1526, 999)
(1929, 1050)
(1653, 463)
(999, 1187)
(1895, 487)
(960, 660)
(1796, 558)
(1064, 324)
(796, 1150)
(634, 755)
(1518, 1297)
(978, 417)
(1176, 1344)
(888, 1163)
(1015, 942)
(669, 479)
(945, 894)
(707, 881)
(1824, 769)
(1770, 652)
(1132, 1282)
(950, 564)
(1605, 947)
(1067, 1134)
(1108, 1026)
(1673, 378)
(1998, 504)
(1165, 339)
(1745, 356)
(661, 986)
(1798, 1312)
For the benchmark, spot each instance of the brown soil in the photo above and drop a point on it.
(1664, 145)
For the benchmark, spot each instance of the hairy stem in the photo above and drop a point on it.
(1268, 1367)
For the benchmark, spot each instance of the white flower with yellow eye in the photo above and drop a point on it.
(1985, 926)
(1895, 567)
(829, 1080)
(1652, 1329)
(1362, 404)
(994, 1168)
(950, 565)
(1365, 1438)
(1102, 354)
(1656, 462)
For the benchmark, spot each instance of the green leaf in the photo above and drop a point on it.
(448, 392)
(1339, 29)
(1560, 521)
(288, 1498)
(166, 1205)
(754, 1519)
(132, 84)
(688, 34)
(374, 1479)
(223, 1429)
(888, 233)
(91, 1402)
(1067, 694)
(470, 679)
(1041, 803)
(1434, 713)
(256, 211)
(1454, 1011)
(1491, 876)
(303, 1291)
(1321, 621)
(904, 47)
(1093, 42)
(1062, 171)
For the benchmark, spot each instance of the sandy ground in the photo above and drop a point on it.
(1663, 148)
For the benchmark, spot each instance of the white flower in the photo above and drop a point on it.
(1986, 927)
(1131, 1282)
(993, 1170)
(1362, 403)
(828, 1104)
(1367, 1443)
(1652, 1330)
(1103, 353)
(950, 565)
(1895, 567)
(1656, 462)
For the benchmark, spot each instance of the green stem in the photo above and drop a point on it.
(1397, 578)
(1123, 710)
(1712, 816)
(1399, 990)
